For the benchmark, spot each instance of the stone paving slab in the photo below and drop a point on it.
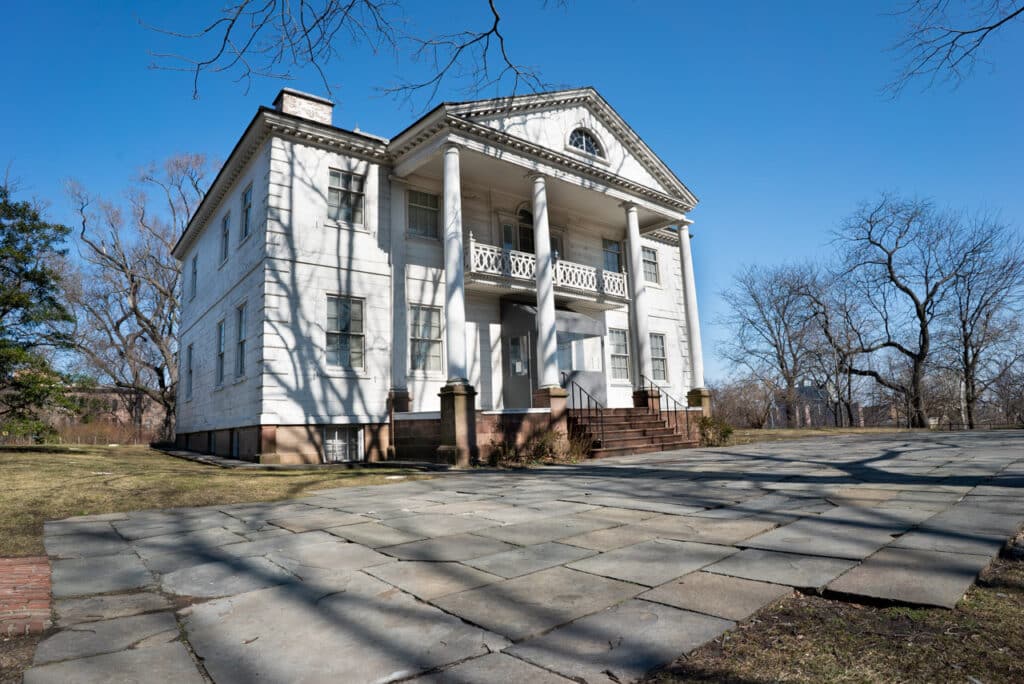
(951, 541)
(802, 572)
(916, 576)
(529, 559)
(90, 609)
(374, 534)
(708, 530)
(226, 578)
(107, 636)
(429, 580)
(436, 525)
(621, 644)
(731, 598)
(457, 547)
(319, 520)
(368, 632)
(86, 544)
(653, 562)
(165, 663)
(817, 537)
(332, 556)
(535, 603)
(496, 667)
(99, 575)
(540, 531)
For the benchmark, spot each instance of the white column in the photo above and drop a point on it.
(399, 308)
(547, 336)
(692, 319)
(454, 270)
(638, 294)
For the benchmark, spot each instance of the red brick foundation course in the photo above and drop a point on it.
(24, 595)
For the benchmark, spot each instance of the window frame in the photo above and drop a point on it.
(605, 252)
(189, 371)
(361, 194)
(355, 433)
(222, 342)
(586, 134)
(361, 335)
(613, 354)
(245, 225)
(241, 325)
(410, 204)
(225, 237)
(415, 338)
(194, 285)
(663, 358)
(645, 262)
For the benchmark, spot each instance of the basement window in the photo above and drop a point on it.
(342, 444)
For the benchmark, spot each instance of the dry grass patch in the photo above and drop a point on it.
(749, 436)
(811, 639)
(15, 657)
(54, 483)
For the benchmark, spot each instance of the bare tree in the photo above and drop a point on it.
(984, 310)
(126, 288)
(944, 39)
(771, 326)
(277, 38)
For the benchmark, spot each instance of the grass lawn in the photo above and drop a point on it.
(742, 436)
(811, 639)
(39, 484)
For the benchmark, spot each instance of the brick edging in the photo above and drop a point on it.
(24, 595)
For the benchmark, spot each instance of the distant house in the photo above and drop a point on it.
(451, 284)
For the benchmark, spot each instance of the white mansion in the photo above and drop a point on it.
(458, 283)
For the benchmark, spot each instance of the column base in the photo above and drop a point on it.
(458, 425)
(649, 399)
(700, 397)
(399, 401)
(556, 399)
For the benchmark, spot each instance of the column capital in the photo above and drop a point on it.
(685, 222)
(628, 206)
(535, 176)
(451, 147)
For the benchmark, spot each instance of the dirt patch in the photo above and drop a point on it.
(811, 639)
(16, 657)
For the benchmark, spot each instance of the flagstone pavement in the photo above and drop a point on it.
(598, 572)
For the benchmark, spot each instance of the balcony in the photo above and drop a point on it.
(496, 268)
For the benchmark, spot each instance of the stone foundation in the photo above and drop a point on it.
(280, 444)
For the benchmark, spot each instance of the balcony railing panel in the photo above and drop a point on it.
(509, 263)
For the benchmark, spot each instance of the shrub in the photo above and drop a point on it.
(544, 447)
(714, 432)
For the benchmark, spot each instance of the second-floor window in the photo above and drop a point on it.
(612, 256)
(225, 237)
(195, 276)
(344, 332)
(425, 338)
(659, 361)
(188, 372)
(618, 340)
(246, 222)
(424, 214)
(650, 259)
(221, 346)
(345, 197)
(240, 318)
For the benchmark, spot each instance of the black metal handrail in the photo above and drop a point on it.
(593, 410)
(675, 406)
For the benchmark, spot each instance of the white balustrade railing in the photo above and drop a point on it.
(510, 263)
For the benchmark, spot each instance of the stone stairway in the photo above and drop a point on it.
(628, 431)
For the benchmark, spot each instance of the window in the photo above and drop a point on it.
(240, 316)
(344, 332)
(659, 362)
(225, 237)
(221, 344)
(246, 213)
(424, 214)
(650, 259)
(519, 235)
(188, 373)
(612, 256)
(619, 341)
(195, 276)
(564, 352)
(519, 355)
(425, 338)
(342, 444)
(345, 197)
(584, 140)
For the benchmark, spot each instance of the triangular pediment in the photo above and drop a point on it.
(548, 120)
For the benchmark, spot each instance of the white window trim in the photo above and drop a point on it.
(194, 286)
(241, 338)
(408, 202)
(611, 356)
(189, 371)
(583, 153)
(225, 239)
(221, 353)
(664, 349)
(425, 372)
(339, 369)
(360, 443)
(657, 265)
(245, 220)
(339, 223)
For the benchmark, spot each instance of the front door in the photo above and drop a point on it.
(517, 350)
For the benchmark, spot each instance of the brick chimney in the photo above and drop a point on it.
(304, 105)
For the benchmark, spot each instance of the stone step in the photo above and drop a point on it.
(603, 452)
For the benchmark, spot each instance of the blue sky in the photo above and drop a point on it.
(770, 112)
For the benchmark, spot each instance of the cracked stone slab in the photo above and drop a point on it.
(540, 531)
(916, 576)
(74, 611)
(496, 667)
(99, 575)
(621, 644)
(107, 636)
(198, 541)
(817, 537)
(707, 530)
(312, 560)
(534, 603)
(236, 576)
(436, 525)
(951, 541)
(374, 534)
(429, 580)
(529, 559)
(635, 504)
(374, 632)
(653, 562)
(731, 598)
(611, 538)
(165, 663)
(85, 544)
(457, 547)
(318, 520)
(283, 543)
(802, 572)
